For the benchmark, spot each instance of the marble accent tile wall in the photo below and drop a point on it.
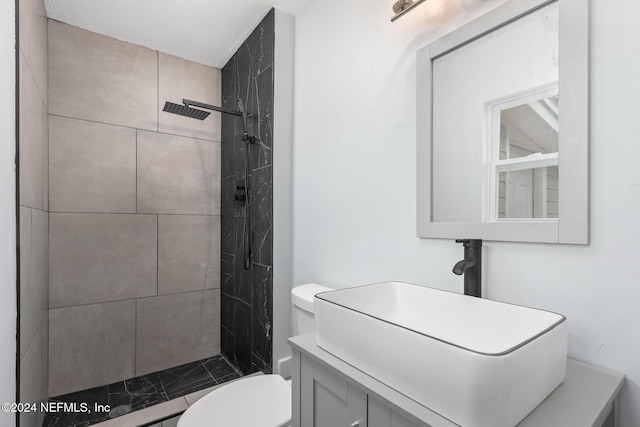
(247, 294)
(33, 201)
(135, 200)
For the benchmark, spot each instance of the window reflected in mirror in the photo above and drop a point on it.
(522, 143)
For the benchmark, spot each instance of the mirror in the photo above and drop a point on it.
(498, 157)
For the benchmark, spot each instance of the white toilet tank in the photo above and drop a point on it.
(267, 396)
(302, 299)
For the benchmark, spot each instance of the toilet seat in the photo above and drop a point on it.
(260, 401)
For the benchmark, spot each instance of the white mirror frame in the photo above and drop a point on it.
(572, 226)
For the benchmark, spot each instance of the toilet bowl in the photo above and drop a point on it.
(257, 401)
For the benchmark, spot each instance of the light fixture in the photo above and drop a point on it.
(401, 7)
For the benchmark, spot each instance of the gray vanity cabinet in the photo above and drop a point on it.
(329, 400)
(380, 415)
(327, 392)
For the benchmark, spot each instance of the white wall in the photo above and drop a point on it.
(7, 210)
(282, 190)
(354, 175)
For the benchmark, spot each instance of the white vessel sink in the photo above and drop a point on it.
(477, 362)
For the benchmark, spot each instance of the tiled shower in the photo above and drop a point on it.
(134, 223)
(122, 207)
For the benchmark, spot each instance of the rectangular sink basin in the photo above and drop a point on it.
(476, 362)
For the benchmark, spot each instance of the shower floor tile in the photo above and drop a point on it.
(141, 392)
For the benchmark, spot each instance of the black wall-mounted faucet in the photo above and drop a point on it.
(471, 266)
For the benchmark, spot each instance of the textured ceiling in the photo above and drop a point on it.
(204, 31)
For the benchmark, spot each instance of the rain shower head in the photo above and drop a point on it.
(185, 110)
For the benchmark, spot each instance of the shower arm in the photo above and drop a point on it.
(249, 138)
(190, 103)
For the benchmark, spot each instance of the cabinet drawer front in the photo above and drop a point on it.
(327, 400)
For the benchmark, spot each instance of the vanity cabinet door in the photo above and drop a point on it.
(327, 400)
(380, 415)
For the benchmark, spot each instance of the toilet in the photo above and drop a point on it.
(261, 400)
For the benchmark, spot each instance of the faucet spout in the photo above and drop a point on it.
(471, 267)
(462, 266)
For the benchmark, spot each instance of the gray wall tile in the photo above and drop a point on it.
(92, 167)
(177, 329)
(180, 79)
(28, 323)
(101, 257)
(178, 175)
(34, 233)
(40, 259)
(33, 150)
(98, 78)
(34, 290)
(91, 345)
(31, 372)
(45, 160)
(32, 155)
(45, 356)
(188, 253)
(33, 41)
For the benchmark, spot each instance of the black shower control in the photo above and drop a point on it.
(248, 138)
(240, 198)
